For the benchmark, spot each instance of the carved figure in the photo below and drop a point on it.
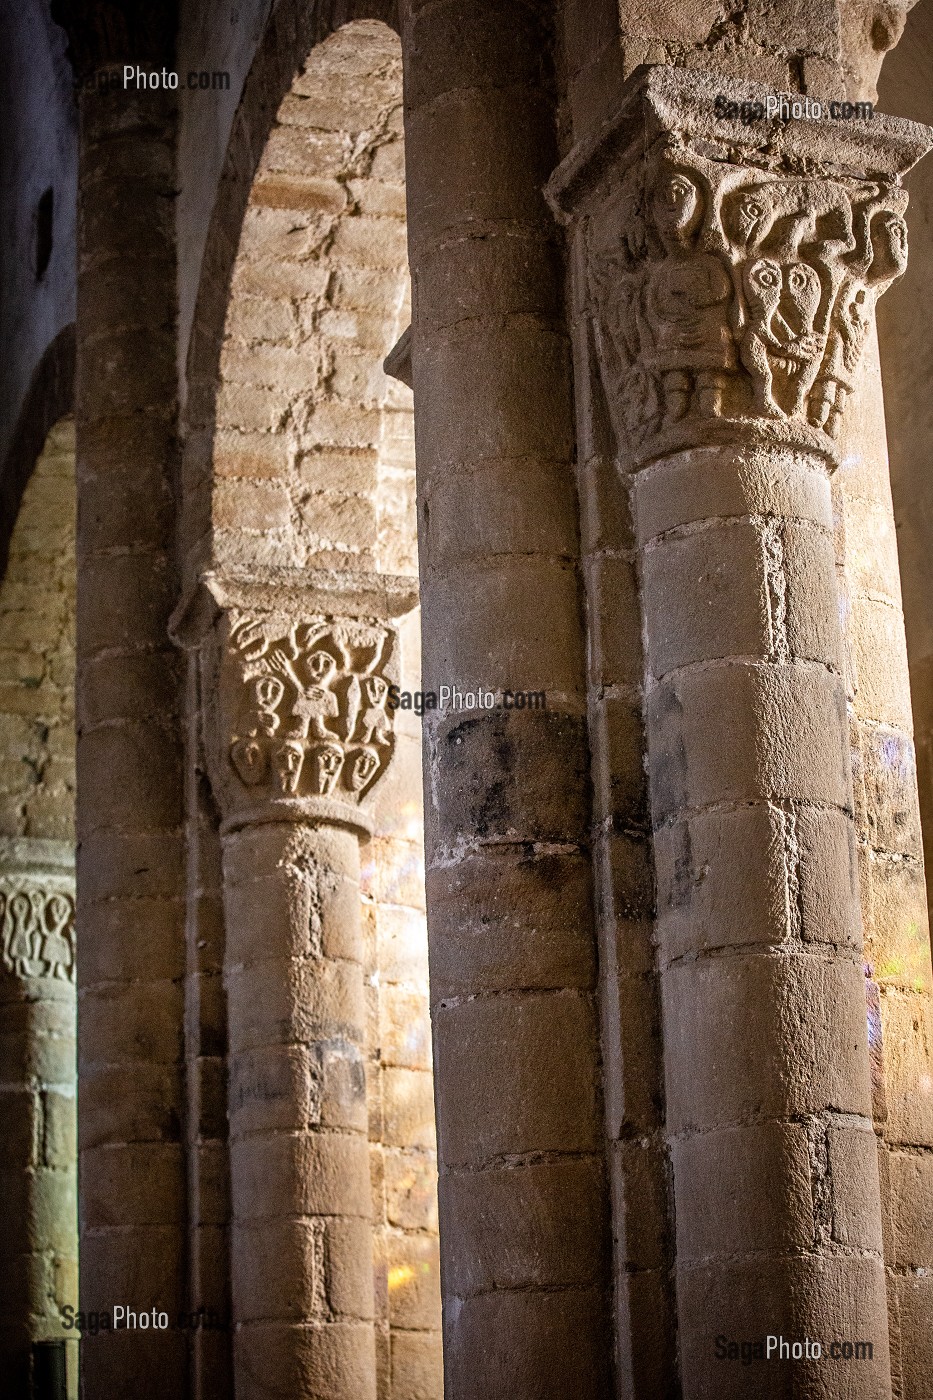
(374, 722)
(25, 932)
(780, 348)
(37, 932)
(687, 300)
(266, 692)
(312, 707)
(686, 337)
(886, 259)
(57, 950)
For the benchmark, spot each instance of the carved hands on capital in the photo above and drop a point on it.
(306, 707)
(730, 292)
(37, 931)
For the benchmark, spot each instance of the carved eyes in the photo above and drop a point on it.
(752, 210)
(798, 279)
(679, 191)
(766, 276)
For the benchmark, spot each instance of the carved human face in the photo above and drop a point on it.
(854, 316)
(267, 691)
(364, 766)
(328, 761)
(677, 207)
(288, 760)
(249, 759)
(376, 689)
(58, 911)
(888, 237)
(321, 667)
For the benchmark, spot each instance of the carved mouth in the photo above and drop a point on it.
(784, 330)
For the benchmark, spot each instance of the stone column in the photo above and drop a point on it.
(296, 734)
(733, 269)
(38, 1149)
(130, 793)
(523, 1195)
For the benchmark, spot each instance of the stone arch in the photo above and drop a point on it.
(298, 471)
(37, 991)
(48, 399)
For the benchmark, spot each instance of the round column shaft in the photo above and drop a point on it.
(299, 1159)
(775, 1165)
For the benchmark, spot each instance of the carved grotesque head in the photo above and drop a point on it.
(288, 760)
(375, 689)
(888, 238)
(745, 219)
(784, 300)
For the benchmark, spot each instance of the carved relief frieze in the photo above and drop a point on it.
(300, 721)
(37, 929)
(731, 277)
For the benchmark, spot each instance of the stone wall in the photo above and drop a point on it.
(37, 639)
(313, 451)
(907, 365)
(38, 1271)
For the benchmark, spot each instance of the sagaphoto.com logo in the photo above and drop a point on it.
(450, 697)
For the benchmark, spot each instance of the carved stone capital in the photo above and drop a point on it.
(37, 910)
(731, 268)
(295, 719)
